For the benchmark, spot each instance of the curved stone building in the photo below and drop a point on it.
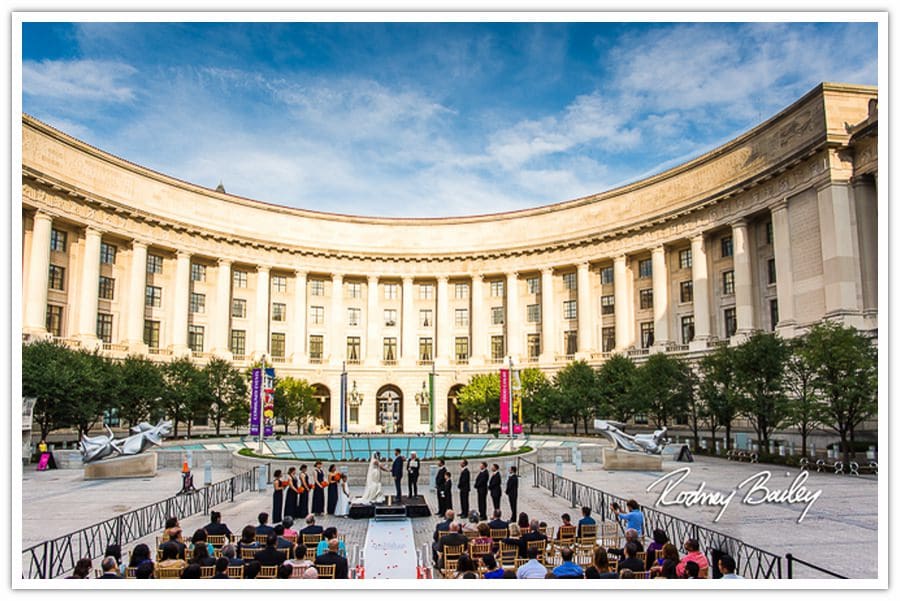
(775, 230)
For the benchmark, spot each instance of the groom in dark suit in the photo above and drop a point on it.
(397, 470)
(481, 486)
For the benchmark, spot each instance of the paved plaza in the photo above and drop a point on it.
(842, 522)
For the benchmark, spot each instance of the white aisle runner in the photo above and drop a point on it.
(390, 549)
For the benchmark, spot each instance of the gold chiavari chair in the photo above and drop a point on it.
(326, 571)
(268, 572)
(235, 571)
(207, 571)
(499, 533)
(167, 573)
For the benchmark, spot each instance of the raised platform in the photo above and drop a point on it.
(141, 465)
(391, 508)
(615, 459)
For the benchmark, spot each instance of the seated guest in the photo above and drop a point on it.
(199, 538)
(660, 538)
(599, 567)
(509, 574)
(532, 568)
(251, 570)
(283, 543)
(288, 523)
(248, 539)
(443, 526)
(229, 552)
(201, 556)
(472, 524)
(484, 535)
(727, 566)
(693, 554)
(139, 555)
(311, 574)
(191, 572)
(626, 574)
(270, 556)
(453, 538)
(285, 571)
(82, 569)
(221, 568)
(533, 534)
(171, 557)
(263, 527)
(311, 528)
(299, 558)
(631, 536)
(176, 539)
(170, 526)
(465, 567)
(110, 568)
(115, 551)
(333, 557)
(493, 571)
(633, 518)
(586, 519)
(665, 565)
(144, 571)
(523, 521)
(566, 525)
(328, 535)
(691, 570)
(631, 562)
(216, 527)
(568, 568)
(497, 523)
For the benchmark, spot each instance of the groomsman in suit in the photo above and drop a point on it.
(494, 485)
(439, 486)
(397, 471)
(512, 491)
(412, 474)
(481, 486)
(463, 485)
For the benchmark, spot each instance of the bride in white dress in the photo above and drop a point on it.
(373, 493)
(343, 503)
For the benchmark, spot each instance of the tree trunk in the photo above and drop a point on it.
(845, 447)
(575, 426)
(697, 440)
(175, 428)
(803, 436)
(190, 423)
(218, 424)
(728, 435)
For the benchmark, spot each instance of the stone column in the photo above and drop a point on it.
(336, 344)
(220, 322)
(586, 317)
(408, 321)
(90, 282)
(513, 317)
(548, 318)
(840, 258)
(261, 317)
(443, 332)
(137, 289)
(784, 272)
(476, 323)
(660, 297)
(181, 303)
(623, 308)
(700, 278)
(298, 325)
(373, 322)
(35, 319)
(743, 280)
(865, 197)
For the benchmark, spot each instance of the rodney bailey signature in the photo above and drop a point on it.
(757, 493)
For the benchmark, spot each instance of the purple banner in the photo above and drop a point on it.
(269, 405)
(504, 401)
(255, 401)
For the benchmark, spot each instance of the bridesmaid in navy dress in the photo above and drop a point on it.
(290, 497)
(303, 497)
(319, 484)
(334, 480)
(277, 496)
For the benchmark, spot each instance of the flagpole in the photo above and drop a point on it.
(262, 404)
(431, 407)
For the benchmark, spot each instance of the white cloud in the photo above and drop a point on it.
(94, 80)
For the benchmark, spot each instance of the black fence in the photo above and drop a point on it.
(58, 556)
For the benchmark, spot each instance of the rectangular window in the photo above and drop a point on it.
(645, 268)
(769, 233)
(461, 291)
(354, 415)
(569, 281)
(54, 320)
(57, 276)
(239, 278)
(570, 309)
(571, 342)
(687, 291)
(462, 348)
(353, 348)
(58, 240)
(276, 345)
(425, 318)
(316, 346)
(498, 350)
(198, 302)
(198, 272)
(279, 283)
(771, 266)
(730, 322)
(685, 259)
(497, 316)
(773, 313)
(238, 342)
(154, 264)
(727, 247)
(353, 315)
(533, 313)
(153, 296)
(534, 346)
(195, 338)
(354, 289)
(646, 298)
(107, 288)
(107, 253)
(462, 318)
(390, 317)
(317, 287)
(238, 308)
(606, 275)
(279, 311)
(687, 329)
(425, 349)
(151, 334)
(534, 285)
(424, 414)
(728, 282)
(609, 339)
(607, 304)
(390, 291)
(104, 327)
(316, 315)
(646, 334)
(497, 288)
(390, 349)
(426, 291)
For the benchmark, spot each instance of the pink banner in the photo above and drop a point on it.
(504, 401)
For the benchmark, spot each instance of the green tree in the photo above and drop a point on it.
(93, 391)
(718, 390)
(479, 400)
(226, 387)
(845, 365)
(665, 386)
(182, 390)
(804, 406)
(538, 404)
(49, 372)
(695, 412)
(576, 385)
(615, 389)
(759, 368)
(294, 402)
(141, 391)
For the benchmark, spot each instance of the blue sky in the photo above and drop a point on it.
(425, 119)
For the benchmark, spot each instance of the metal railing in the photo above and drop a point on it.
(791, 560)
(58, 556)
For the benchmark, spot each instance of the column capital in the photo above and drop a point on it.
(658, 250)
(42, 215)
(443, 277)
(698, 239)
(263, 267)
(779, 205)
(583, 265)
(620, 258)
(91, 230)
(183, 254)
(547, 271)
(512, 275)
(739, 223)
(407, 279)
(337, 277)
(478, 277)
(300, 273)
(136, 242)
(372, 279)
(223, 262)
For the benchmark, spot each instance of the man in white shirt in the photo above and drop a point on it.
(532, 568)
(727, 566)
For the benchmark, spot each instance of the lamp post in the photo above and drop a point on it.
(354, 400)
(426, 397)
(262, 419)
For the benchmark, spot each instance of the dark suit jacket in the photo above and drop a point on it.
(512, 485)
(412, 467)
(494, 482)
(397, 467)
(110, 575)
(221, 575)
(452, 539)
(441, 527)
(439, 478)
(270, 557)
(498, 524)
(261, 530)
(310, 530)
(633, 563)
(481, 480)
(340, 564)
(526, 538)
(463, 482)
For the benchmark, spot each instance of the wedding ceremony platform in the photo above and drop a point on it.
(391, 507)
